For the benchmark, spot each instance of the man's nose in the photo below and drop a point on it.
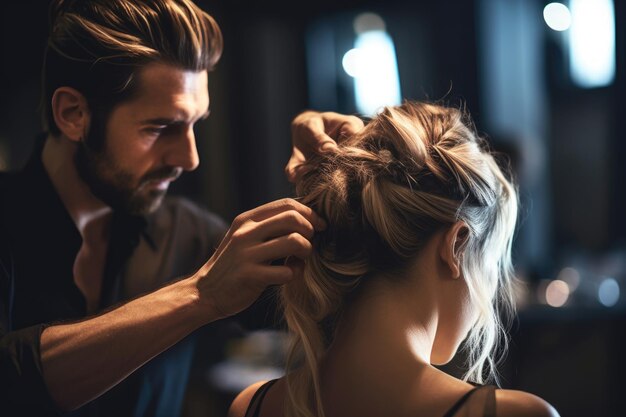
(183, 152)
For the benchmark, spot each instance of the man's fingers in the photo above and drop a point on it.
(297, 172)
(294, 163)
(276, 275)
(296, 265)
(279, 206)
(284, 223)
(293, 244)
(323, 143)
(317, 133)
(313, 134)
(340, 127)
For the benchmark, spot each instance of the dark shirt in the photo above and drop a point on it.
(38, 246)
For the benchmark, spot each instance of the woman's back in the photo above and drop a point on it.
(372, 369)
(266, 400)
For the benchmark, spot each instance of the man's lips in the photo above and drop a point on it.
(162, 182)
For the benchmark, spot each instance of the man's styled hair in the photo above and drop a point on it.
(98, 46)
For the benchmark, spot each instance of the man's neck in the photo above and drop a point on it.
(58, 161)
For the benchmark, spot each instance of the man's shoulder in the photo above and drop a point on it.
(189, 217)
(8, 179)
(17, 186)
(177, 202)
(6, 185)
(9, 190)
(188, 209)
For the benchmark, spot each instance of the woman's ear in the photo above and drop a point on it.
(452, 245)
(71, 112)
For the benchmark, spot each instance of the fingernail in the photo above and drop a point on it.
(328, 146)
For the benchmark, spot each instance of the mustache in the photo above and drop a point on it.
(166, 173)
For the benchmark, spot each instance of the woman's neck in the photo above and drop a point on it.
(383, 343)
(392, 316)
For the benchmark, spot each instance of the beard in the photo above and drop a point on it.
(115, 186)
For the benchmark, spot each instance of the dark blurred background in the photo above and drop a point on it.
(544, 82)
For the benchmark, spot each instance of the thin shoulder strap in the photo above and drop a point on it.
(490, 401)
(257, 399)
(457, 405)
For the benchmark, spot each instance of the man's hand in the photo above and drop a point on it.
(82, 360)
(240, 269)
(313, 132)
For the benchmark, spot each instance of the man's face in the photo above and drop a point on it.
(148, 141)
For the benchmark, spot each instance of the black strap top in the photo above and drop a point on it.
(490, 401)
(489, 410)
(255, 404)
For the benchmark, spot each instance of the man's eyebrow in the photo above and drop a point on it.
(171, 120)
(161, 121)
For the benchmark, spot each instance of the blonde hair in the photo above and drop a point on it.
(413, 170)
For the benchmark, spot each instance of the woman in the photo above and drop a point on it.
(416, 258)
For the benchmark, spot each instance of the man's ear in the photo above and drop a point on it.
(71, 113)
(452, 245)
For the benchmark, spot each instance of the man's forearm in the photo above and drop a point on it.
(82, 360)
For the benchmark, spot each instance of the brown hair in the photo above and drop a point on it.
(97, 47)
(413, 170)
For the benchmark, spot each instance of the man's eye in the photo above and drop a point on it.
(155, 130)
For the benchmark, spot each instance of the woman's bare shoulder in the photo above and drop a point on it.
(240, 404)
(513, 403)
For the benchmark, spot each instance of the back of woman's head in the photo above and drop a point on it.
(413, 170)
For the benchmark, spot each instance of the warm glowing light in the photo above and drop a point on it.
(608, 292)
(557, 293)
(592, 42)
(557, 16)
(571, 277)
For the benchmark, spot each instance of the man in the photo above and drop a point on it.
(102, 277)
